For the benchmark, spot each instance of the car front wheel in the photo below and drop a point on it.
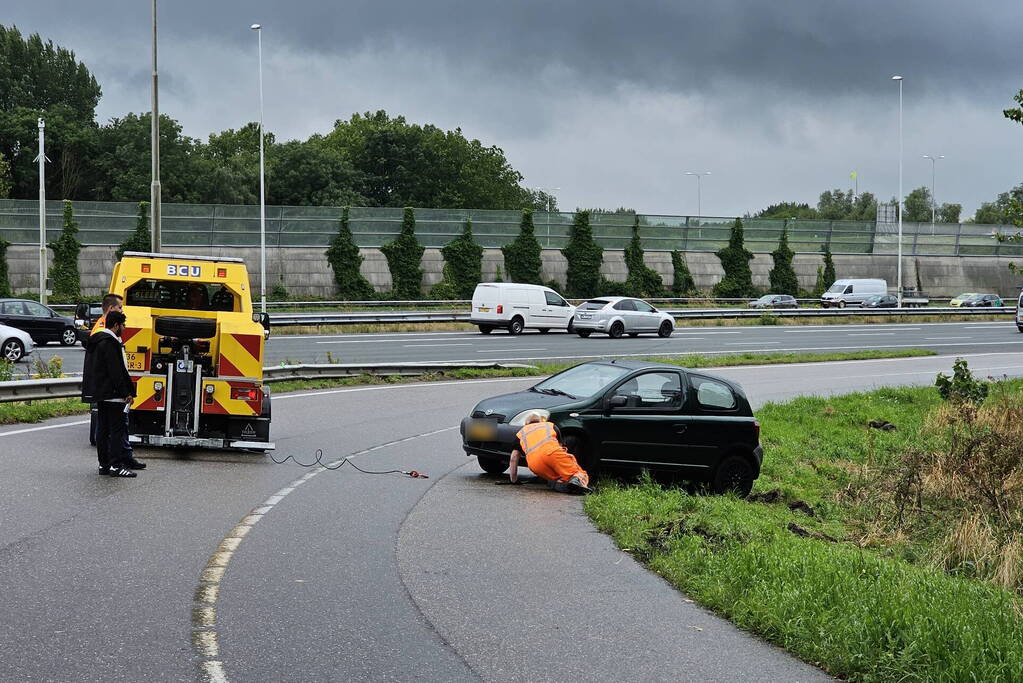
(577, 447)
(68, 337)
(734, 474)
(12, 350)
(491, 465)
(616, 331)
(665, 329)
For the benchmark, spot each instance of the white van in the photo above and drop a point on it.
(852, 292)
(1019, 313)
(516, 306)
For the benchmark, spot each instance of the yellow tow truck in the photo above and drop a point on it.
(194, 349)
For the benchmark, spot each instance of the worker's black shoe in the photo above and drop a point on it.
(122, 472)
(576, 485)
(133, 464)
(104, 471)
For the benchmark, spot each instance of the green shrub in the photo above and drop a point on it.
(522, 258)
(819, 287)
(64, 271)
(345, 260)
(404, 259)
(6, 370)
(642, 281)
(554, 284)
(738, 279)
(783, 275)
(446, 288)
(463, 264)
(683, 285)
(768, 319)
(5, 275)
(141, 239)
(279, 292)
(613, 288)
(829, 268)
(962, 386)
(498, 277)
(584, 257)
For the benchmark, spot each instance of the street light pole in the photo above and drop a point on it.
(699, 193)
(42, 211)
(899, 268)
(933, 200)
(262, 185)
(154, 135)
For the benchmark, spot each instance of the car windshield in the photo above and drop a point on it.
(837, 288)
(592, 305)
(967, 295)
(582, 380)
(872, 299)
(766, 299)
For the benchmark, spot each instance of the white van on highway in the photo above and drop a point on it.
(516, 306)
(852, 292)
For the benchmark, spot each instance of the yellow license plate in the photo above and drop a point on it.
(482, 430)
(484, 309)
(136, 360)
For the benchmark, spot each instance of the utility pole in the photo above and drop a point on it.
(258, 28)
(154, 134)
(42, 211)
(901, 204)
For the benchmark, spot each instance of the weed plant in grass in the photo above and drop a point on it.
(881, 554)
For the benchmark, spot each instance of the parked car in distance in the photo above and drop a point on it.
(1019, 313)
(42, 323)
(629, 416)
(86, 315)
(775, 301)
(15, 344)
(990, 300)
(516, 307)
(618, 315)
(881, 301)
(852, 292)
(958, 301)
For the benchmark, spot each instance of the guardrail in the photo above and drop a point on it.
(71, 387)
(395, 317)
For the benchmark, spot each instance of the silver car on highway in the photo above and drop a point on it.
(15, 344)
(618, 315)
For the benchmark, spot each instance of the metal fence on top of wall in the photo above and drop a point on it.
(191, 225)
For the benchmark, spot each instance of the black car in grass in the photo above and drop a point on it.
(629, 416)
(41, 322)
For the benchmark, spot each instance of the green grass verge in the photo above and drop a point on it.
(36, 411)
(798, 563)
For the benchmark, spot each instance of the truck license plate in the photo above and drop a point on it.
(136, 360)
(484, 309)
(482, 430)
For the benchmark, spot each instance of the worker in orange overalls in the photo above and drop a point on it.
(547, 458)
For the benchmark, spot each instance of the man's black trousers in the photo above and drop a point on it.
(111, 434)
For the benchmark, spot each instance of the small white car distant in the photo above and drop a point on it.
(15, 344)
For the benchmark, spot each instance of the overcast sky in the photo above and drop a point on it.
(609, 101)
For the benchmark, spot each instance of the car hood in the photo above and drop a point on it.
(510, 405)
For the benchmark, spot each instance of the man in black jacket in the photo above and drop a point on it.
(113, 391)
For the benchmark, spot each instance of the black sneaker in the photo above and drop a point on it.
(121, 472)
(134, 464)
(104, 471)
(576, 485)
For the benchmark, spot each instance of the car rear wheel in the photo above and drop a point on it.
(491, 465)
(617, 330)
(515, 326)
(586, 333)
(734, 474)
(486, 329)
(12, 350)
(665, 329)
(68, 337)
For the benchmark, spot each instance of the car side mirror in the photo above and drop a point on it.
(617, 401)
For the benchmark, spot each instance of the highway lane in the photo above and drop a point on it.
(944, 338)
(346, 575)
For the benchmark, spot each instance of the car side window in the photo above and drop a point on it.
(624, 305)
(37, 310)
(554, 300)
(13, 308)
(643, 307)
(652, 391)
(849, 289)
(713, 394)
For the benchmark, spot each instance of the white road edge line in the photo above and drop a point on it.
(205, 640)
(39, 429)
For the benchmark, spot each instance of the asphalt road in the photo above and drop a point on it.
(232, 568)
(944, 338)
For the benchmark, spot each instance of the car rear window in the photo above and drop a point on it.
(593, 305)
(713, 394)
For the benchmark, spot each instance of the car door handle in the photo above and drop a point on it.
(681, 429)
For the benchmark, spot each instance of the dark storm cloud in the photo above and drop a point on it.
(805, 46)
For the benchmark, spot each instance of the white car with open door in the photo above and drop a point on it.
(515, 307)
(618, 315)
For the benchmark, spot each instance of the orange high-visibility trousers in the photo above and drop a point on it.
(552, 462)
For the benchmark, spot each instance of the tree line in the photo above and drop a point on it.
(369, 159)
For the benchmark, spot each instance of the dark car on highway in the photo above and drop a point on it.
(983, 300)
(628, 416)
(881, 301)
(41, 322)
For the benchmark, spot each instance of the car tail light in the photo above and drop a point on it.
(239, 394)
(756, 430)
(500, 308)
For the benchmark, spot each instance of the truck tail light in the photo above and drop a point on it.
(239, 394)
(500, 308)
